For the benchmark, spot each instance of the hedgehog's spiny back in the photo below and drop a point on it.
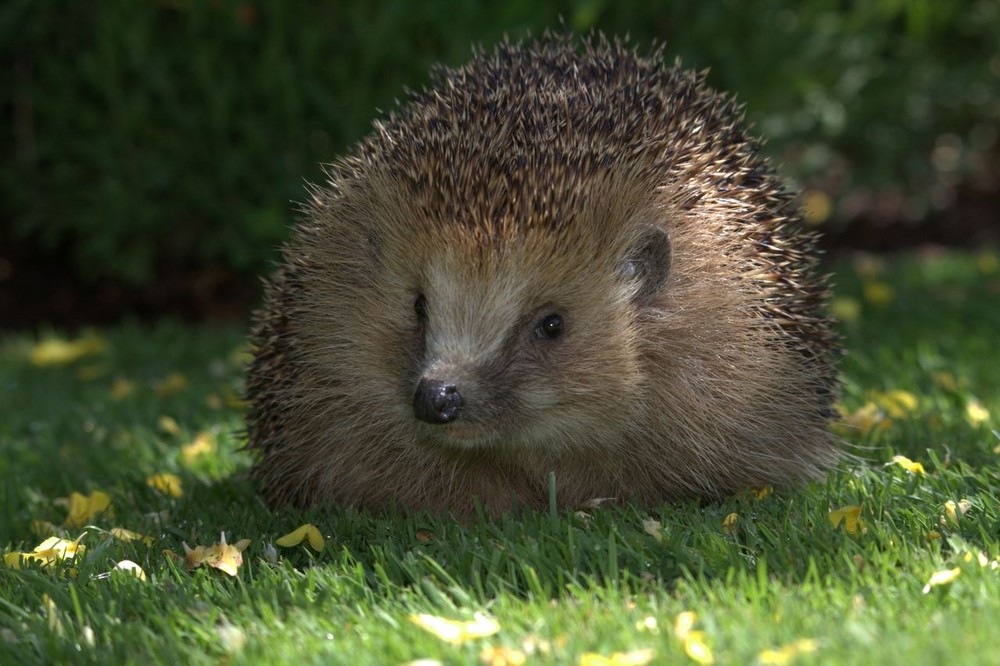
(530, 117)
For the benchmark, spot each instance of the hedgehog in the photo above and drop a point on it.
(562, 258)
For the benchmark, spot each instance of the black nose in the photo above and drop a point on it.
(436, 401)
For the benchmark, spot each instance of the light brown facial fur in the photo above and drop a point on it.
(556, 260)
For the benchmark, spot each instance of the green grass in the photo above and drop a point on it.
(559, 585)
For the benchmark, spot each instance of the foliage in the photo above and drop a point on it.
(160, 136)
(882, 563)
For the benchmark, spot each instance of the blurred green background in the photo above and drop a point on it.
(152, 152)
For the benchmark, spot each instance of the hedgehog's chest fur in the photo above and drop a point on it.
(558, 262)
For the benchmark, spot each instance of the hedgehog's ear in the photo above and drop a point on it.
(647, 264)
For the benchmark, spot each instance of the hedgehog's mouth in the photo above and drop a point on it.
(462, 435)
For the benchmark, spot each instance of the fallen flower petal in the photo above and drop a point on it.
(850, 516)
(83, 508)
(170, 384)
(225, 557)
(456, 631)
(121, 388)
(62, 352)
(203, 443)
(867, 419)
(502, 656)
(653, 528)
(953, 511)
(908, 465)
(878, 294)
(222, 556)
(845, 309)
(168, 484)
(128, 535)
(169, 425)
(786, 653)
(697, 649)
(729, 522)
(47, 552)
(981, 558)
(942, 577)
(648, 623)
(131, 567)
(975, 413)
(296, 536)
(683, 624)
(897, 403)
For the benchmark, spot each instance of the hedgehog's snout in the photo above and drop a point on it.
(436, 401)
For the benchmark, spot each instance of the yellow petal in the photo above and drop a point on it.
(816, 207)
(502, 656)
(946, 380)
(128, 535)
(456, 631)
(845, 309)
(61, 352)
(897, 403)
(697, 649)
(979, 557)
(193, 557)
(172, 383)
(296, 536)
(953, 511)
(222, 556)
(866, 419)
(204, 443)
(684, 623)
(169, 425)
(878, 294)
(633, 658)
(850, 516)
(83, 508)
(121, 388)
(787, 653)
(729, 522)
(648, 623)
(761, 493)
(942, 577)
(909, 465)
(53, 549)
(13, 559)
(168, 484)
(975, 413)
(988, 263)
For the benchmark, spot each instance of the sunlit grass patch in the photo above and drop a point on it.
(127, 462)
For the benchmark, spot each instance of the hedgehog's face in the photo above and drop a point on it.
(524, 344)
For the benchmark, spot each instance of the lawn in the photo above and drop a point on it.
(147, 419)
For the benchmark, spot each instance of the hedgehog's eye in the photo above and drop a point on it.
(420, 307)
(550, 327)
